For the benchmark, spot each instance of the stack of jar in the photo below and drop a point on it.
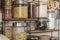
(8, 9)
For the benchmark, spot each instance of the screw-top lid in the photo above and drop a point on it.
(20, 2)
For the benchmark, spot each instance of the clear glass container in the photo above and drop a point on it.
(19, 32)
(31, 10)
(8, 30)
(8, 4)
(20, 9)
(8, 14)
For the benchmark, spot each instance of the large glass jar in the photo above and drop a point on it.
(19, 32)
(31, 10)
(20, 9)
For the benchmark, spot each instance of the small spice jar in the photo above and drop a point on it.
(8, 4)
(19, 32)
(8, 14)
(20, 9)
(31, 25)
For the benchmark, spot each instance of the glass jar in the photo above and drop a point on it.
(43, 10)
(31, 25)
(19, 32)
(8, 30)
(8, 4)
(31, 10)
(8, 14)
(20, 9)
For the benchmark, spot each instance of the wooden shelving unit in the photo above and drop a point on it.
(41, 31)
(31, 19)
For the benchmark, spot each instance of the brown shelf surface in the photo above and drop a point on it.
(41, 31)
(20, 19)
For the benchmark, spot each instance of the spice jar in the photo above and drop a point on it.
(8, 30)
(8, 4)
(8, 14)
(31, 26)
(19, 32)
(20, 9)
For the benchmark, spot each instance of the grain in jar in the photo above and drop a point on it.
(20, 9)
(8, 32)
(19, 32)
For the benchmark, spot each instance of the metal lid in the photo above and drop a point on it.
(20, 2)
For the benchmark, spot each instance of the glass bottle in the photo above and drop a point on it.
(19, 32)
(8, 9)
(20, 9)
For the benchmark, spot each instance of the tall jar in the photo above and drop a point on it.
(42, 10)
(20, 9)
(31, 10)
(8, 9)
(19, 32)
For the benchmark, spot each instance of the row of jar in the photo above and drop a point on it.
(21, 9)
(19, 29)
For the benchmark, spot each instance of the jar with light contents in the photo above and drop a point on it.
(20, 9)
(19, 32)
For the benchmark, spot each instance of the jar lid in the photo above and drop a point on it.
(19, 24)
(20, 2)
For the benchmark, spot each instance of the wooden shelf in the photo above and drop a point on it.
(23, 19)
(41, 31)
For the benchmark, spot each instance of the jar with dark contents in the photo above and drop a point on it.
(20, 9)
(8, 14)
(32, 9)
(19, 32)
